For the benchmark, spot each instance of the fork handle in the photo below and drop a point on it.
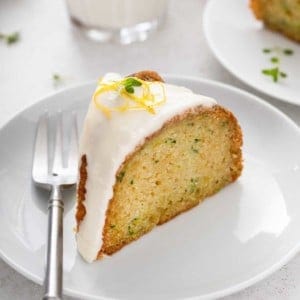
(53, 277)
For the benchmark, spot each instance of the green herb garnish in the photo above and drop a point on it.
(129, 89)
(283, 75)
(274, 60)
(194, 149)
(56, 77)
(288, 51)
(131, 181)
(130, 230)
(224, 123)
(133, 224)
(170, 141)
(10, 38)
(130, 83)
(193, 185)
(275, 73)
(267, 50)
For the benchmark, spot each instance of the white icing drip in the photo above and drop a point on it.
(106, 143)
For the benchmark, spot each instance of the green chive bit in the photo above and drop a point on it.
(193, 185)
(195, 150)
(266, 50)
(132, 226)
(283, 75)
(130, 230)
(130, 83)
(10, 38)
(288, 51)
(274, 60)
(129, 89)
(274, 73)
(56, 77)
(170, 141)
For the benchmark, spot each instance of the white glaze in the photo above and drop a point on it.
(106, 143)
(115, 14)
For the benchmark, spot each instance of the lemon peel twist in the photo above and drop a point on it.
(144, 100)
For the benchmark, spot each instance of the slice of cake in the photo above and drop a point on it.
(279, 15)
(149, 151)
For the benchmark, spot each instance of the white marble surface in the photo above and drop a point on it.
(49, 44)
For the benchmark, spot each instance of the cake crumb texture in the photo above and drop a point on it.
(192, 157)
(279, 15)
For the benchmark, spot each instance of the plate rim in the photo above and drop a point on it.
(226, 65)
(221, 293)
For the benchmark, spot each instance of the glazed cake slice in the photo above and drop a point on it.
(149, 151)
(279, 15)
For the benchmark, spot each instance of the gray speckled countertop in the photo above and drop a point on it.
(50, 44)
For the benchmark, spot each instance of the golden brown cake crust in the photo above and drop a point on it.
(81, 191)
(147, 75)
(237, 142)
(289, 35)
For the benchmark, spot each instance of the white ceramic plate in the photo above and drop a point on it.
(237, 40)
(235, 238)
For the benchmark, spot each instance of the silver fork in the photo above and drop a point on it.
(54, 179)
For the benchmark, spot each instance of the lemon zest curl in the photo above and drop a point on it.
(147, 100)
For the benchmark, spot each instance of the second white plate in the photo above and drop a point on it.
(237, 39)
(232, 240)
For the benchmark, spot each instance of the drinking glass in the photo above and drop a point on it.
(123, 21)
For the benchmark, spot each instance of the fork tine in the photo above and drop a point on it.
(73, 152)
(58, 151)
(40, 158)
